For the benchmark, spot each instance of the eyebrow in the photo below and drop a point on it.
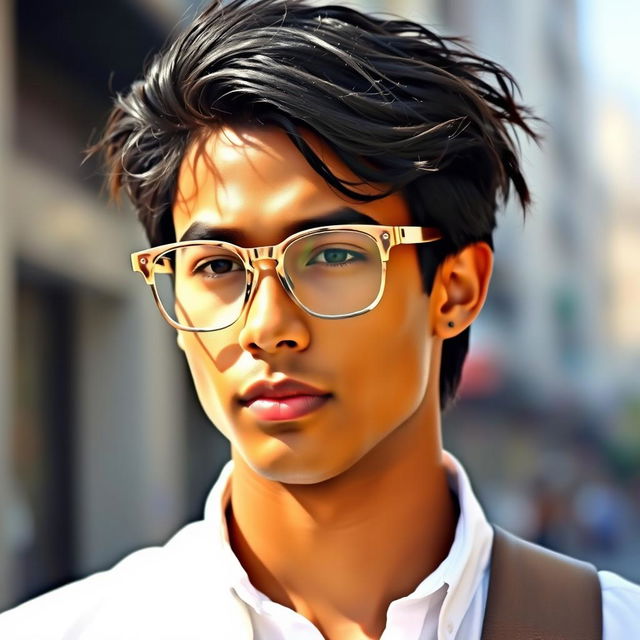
(345, 215)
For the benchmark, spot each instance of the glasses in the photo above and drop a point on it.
(330, 272)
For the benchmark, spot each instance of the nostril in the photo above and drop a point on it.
(254, 347)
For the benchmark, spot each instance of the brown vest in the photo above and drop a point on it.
(537, 594)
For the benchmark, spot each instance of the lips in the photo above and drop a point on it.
(283, 400)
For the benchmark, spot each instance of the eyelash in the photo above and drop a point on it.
(352, 256)
(200, 268)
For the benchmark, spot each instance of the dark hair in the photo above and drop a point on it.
(399, 104)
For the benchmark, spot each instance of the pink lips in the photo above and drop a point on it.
(284, 400)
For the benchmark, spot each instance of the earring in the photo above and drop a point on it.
(451, 323)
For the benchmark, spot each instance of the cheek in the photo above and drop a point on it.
(203, 357)
(390, 354)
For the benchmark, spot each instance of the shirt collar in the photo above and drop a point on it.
(468, 559)
(461, 571)
(215, 517)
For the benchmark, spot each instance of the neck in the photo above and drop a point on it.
(340, 551)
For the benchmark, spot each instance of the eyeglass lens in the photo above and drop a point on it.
(332, 273)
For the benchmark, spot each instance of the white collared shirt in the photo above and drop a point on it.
(194, 588)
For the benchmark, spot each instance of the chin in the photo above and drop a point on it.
(279, 462)
(298, 476)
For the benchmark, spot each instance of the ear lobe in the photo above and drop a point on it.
(180, 340)
(460, 289)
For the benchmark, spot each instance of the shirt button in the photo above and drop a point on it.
(449, 628)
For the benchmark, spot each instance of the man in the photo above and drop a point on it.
(319, 188)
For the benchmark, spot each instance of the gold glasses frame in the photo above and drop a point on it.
(385, 237)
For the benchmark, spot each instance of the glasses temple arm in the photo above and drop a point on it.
(417, 235)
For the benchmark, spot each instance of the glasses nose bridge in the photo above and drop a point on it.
(268, 253)
(273, 259)
(272, 256)
(264, 253)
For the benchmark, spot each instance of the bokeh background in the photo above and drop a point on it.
(103, 447)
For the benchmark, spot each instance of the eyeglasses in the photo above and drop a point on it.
(330, 272)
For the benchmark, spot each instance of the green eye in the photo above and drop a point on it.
(335, 256)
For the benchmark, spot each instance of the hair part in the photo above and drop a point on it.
(398, 104)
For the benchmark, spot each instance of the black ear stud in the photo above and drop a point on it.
(451, 323)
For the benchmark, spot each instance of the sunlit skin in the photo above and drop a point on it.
(339, 512)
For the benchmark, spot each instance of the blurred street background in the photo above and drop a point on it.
(103, 447)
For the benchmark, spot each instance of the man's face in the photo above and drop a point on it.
(370, 371)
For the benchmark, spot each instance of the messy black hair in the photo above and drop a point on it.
(399, 105)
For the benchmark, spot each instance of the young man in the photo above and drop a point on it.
(319, 189)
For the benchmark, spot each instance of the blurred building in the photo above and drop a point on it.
(618, 156)
(94, 400)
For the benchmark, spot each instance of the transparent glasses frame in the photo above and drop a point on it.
(385, 237)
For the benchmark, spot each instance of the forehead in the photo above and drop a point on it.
(256, 181)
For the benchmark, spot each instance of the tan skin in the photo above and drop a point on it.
(346, 509)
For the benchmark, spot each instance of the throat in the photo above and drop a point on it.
(348, 561)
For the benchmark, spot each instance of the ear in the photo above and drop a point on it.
(460, 289)
(180, 340)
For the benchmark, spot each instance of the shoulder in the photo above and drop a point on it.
(620, 606)
(147, 594)
(66, 611)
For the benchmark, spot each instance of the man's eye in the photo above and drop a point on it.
(336, 257)
(218, 266)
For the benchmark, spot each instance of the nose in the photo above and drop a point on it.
(272, 321)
